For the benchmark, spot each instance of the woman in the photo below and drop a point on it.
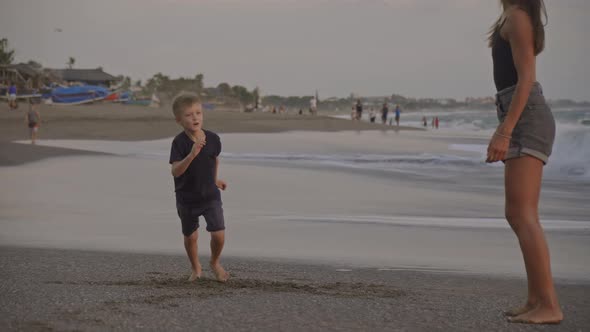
(524, 140)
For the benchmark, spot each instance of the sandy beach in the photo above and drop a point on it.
(45, 289)
(332, 224)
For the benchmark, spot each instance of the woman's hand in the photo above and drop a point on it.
(498, 146)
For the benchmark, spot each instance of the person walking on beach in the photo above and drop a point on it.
(33, 120)
(398, 112)
(384, 111)
(12, 96)
(359, 109)
(372, 115)
(436, 122)
(524, 141)
(194, 157)
(424, 121)
(313, 106)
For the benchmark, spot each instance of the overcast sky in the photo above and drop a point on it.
(418, 48)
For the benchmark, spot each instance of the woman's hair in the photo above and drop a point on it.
(535, 9)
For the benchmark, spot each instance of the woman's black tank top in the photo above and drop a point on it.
(505, 74)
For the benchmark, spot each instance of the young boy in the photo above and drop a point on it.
(194, 160)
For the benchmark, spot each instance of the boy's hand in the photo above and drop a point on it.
(221, 184)
(197, 146)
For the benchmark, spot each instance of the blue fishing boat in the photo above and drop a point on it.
(140, 102)
(124, 96)
(76, 95)
(133, 99)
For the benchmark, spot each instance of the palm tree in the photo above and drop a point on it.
(199, 83)
(256, 96)
(6, 55)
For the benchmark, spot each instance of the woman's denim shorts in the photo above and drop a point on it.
(535, 130)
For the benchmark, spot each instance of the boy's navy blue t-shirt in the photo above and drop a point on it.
(197, 185)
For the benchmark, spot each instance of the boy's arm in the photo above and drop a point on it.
(216, 167)
(219, 183)
(179, 167)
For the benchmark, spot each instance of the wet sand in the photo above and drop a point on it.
(319, 214)
(136, 123)
(125, 122)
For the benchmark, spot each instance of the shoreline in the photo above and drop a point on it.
(286, 209)
(284, 212)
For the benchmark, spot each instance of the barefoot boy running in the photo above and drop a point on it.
(194, 159)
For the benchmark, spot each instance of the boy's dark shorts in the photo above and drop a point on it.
(189, 216)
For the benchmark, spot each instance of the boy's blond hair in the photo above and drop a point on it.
(184, 100)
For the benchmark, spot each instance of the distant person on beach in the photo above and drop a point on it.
(524, 141)
(12, 96)
(359, 109)
(300, 111)
(194, 157)
(313, 106)
(424, 121)
(384, 112)
(398, 112)
(372, 115)
(33, 120)
(436, 122)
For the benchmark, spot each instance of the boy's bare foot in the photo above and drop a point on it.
(520, 310)
(220, 274)
(196, 274)
(539, 315)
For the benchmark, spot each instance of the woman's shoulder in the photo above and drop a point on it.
(515, 19)
(515, 16)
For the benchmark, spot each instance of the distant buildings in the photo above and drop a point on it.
(24, 75)
(479, 100)
(87, 76)
(33, 76)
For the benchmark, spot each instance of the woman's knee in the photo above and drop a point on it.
(521, 218)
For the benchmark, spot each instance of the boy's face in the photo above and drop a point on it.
(191, 118)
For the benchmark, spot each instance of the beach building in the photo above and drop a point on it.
(87, 76)
(25, 75)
